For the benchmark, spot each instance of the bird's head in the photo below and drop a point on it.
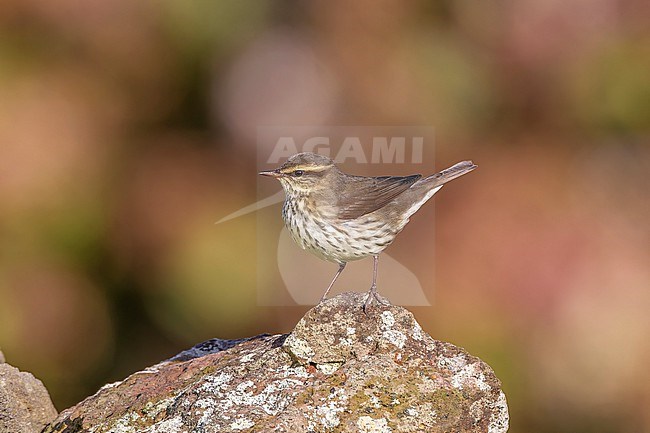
(303, 173)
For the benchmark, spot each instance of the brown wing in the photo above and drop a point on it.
(363, 195)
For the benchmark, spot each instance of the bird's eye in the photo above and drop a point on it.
(298, 173)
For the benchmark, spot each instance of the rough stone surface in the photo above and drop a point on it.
(25, 405)
(340, 370)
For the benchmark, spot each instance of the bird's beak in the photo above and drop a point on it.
(271, 173)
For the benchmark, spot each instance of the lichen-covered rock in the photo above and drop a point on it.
(25, 405)
(340, 370)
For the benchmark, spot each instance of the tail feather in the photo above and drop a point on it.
(412, 199)
(450, 173)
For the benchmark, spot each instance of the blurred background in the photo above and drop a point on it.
(128, 128)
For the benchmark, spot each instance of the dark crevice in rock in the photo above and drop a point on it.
(279, 341)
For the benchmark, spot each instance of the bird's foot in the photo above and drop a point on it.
(372, 294)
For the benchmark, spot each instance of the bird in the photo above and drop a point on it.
(341, 217)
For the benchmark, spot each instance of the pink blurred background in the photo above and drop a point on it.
(128, 128)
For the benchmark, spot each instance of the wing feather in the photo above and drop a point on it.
(367, 194)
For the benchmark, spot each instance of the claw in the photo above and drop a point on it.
(372, 294)
(367, 303)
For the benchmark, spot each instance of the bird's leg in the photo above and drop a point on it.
(341, 267)
(372, 293)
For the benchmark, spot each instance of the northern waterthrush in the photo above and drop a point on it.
(340, 217)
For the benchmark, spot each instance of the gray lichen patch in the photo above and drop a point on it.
(299, 349)
(328, 367)
(498, 415)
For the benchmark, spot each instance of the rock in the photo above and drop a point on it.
(25, 405)
(339, 370)
(2, 357)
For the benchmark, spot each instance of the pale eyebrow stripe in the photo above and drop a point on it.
(311, 168)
